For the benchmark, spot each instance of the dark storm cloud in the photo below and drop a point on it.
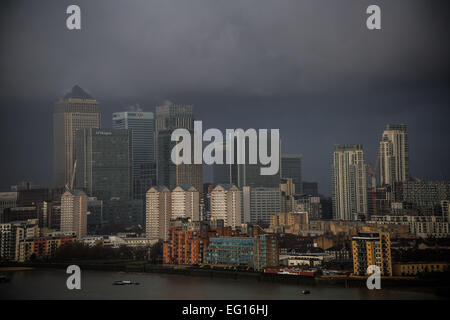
(249, 47)
(310, 68)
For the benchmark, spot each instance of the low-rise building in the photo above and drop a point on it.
(415, 268)
(305, 259)
(291, 222)
(42, 247)
(420, 226)
(339, 254)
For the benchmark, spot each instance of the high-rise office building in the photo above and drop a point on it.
(7, 200)
(349, 182)
(309, 204)
(165, 168)
(190, 174)
(226, 205)
(94, 216)
(244, 174)
(142, 126)
(259, 204)
(75, 111)
(287, 188)
(104, 163)
(169, 118)
(158, 208)
(372, 248)
(394, 155)
(291, 167)
(74, 212)
(186, 203)
(123, 213)
(310, 188)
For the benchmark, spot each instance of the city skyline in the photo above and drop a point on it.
(319, 87)
(324, 180)
(225, 150)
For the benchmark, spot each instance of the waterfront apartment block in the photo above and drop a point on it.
(185, 203)
(43, 247)
(74, 212)
(189, 239)
(257, 252)
(158, 212)
(225, 202)
(372, 248)
(11, 235)
(162, 205)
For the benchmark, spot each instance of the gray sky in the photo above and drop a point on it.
(310, 68)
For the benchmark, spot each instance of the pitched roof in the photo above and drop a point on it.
(78, 93)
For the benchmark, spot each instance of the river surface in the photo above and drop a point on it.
(51, 284)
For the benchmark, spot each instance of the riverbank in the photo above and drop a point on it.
(431, 285)
(45, 283)
(11, 269)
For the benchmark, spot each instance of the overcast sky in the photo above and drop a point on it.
(308, 67)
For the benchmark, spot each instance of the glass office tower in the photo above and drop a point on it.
(142, 126)
(104, 163)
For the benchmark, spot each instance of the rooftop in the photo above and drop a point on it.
(78, 93)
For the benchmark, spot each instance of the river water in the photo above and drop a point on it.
(51, 284)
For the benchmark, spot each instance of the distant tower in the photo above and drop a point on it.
(74, 212)
(104, 163)
(142, 126)
(291, 167)
(76, 110)
(244, 174)
(349, 182)
(394, 155)
(190, 174)
(169, 118)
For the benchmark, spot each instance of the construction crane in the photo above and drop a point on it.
(73, 177)
(373, 176)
